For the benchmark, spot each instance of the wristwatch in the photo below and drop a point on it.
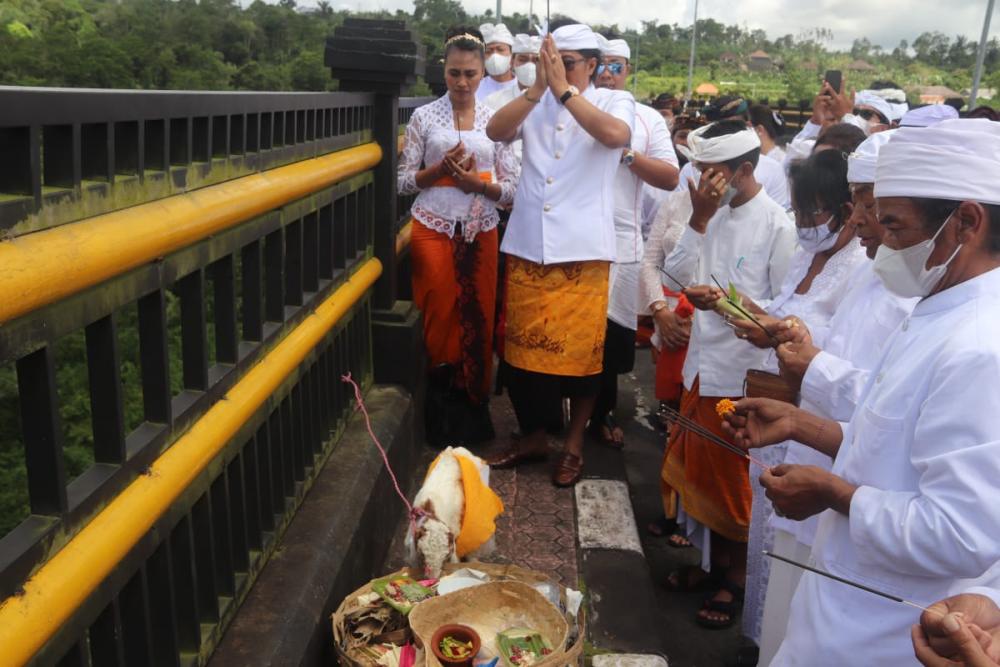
(660, 305)
(570, 92)
(628, 157)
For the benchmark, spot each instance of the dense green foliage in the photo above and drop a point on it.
(219, 45)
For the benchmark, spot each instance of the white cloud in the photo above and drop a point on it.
(884, 23)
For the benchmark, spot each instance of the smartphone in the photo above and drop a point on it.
(834, 78)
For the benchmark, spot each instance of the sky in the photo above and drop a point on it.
(884, 22)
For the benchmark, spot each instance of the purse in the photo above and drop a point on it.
(761, 384)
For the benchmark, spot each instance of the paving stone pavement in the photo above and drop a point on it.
(538, 528)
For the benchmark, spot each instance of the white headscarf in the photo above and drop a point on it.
(861, 163)
(496, 33)
(718, 149)
(931, 114)
(526, 43)
(868, 98)
(575, 37)
(911, 164)
(613, 47)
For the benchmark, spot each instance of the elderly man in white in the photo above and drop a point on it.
(910, 505)
(831, 379)
(560, 241)
(499, 44)
(650, 159)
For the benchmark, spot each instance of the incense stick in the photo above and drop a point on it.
(745, 312)
(679, 283)
(696, 428)
(868, 589)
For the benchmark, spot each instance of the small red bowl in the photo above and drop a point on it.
(462, 633)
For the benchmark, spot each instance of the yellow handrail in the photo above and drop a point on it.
(44, 267)
(62, 584)
(403, 237)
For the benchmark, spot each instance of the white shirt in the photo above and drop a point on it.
(769, 173)
(564, 206)
(750, 245)
(500, 99)
(651, 138)
(429, 135)
(923, 448)
(489, 85)
(816, 307)
(855, 338)
(669, 224)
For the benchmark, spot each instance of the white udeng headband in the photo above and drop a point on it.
(719, 149)
(910, 165)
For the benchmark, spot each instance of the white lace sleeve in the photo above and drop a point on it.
(412, 157)
(508, 169)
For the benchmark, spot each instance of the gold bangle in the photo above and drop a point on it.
(527, 97)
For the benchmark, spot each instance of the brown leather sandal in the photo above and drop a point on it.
(515, 456)
(568, 470)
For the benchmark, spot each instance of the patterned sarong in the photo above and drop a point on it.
(556, 316)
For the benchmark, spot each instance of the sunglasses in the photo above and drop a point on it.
(614, 68)
(868, 114)
(570, 63)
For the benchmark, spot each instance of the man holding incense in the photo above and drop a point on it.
(560, 242)
(909, 507)
(735, 233)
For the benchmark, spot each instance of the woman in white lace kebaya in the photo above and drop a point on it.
(459, 176)
(816, 282)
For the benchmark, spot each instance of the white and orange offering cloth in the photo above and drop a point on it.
(481, 505)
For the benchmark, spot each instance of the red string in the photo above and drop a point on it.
(413, 513)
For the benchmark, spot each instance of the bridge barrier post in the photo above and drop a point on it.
(384, 57)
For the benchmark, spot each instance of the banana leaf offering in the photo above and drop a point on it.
(521, 647)
(401, 593)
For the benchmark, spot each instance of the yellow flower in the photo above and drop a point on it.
(725, 407)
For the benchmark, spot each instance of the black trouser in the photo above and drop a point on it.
(619, 357)
(537, 397)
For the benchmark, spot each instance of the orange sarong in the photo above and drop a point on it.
(670, 363)
(455, 287)
(556, 316)
(713, 484)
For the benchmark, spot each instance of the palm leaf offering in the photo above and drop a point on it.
(521, 647)
(731, 305)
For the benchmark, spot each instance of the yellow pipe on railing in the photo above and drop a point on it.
(44, 267)
(61, 585)
(403, 237)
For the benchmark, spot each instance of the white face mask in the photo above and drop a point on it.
(905, 273)
(497, 64)
(814, 241)
(525, 74)
(859, 122)
(728, 196)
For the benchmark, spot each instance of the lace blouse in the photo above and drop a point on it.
(429, 135)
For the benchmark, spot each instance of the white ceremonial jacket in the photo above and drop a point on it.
(852, 345)
(924, 449)
(651, 138)
(750, 245)
(564, 205)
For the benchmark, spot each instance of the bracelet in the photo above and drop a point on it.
(485, 185)
(528, 97)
